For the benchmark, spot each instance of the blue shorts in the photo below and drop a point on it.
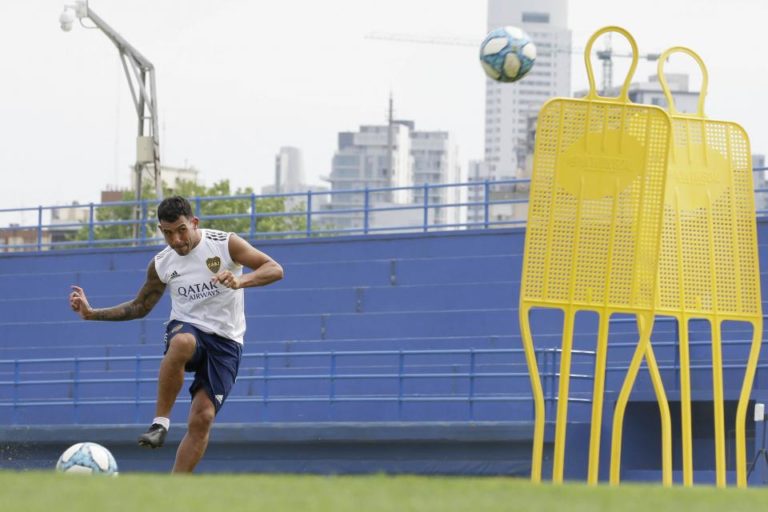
(215, 362)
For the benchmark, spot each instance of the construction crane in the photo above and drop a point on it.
(605, 56)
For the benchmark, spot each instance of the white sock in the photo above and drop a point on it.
(163, 421)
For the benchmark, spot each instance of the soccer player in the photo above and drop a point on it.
(203, 268)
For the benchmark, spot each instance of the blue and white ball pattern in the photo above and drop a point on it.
(88, 459)
(507, 54)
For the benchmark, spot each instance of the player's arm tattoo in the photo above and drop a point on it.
(145, 300)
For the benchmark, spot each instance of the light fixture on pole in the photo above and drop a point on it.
(141, 79)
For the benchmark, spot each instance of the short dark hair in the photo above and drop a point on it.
(171, 208)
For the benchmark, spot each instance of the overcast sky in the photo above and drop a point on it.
(237, 79)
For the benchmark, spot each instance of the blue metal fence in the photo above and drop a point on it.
(17, 375)
(428, 207)
(70, 378)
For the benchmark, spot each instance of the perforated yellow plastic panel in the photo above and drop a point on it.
(709, 262)
(594, 218)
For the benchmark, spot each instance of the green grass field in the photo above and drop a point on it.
(50, 492)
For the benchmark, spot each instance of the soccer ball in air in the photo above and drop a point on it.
(88, 459)
(507, 54)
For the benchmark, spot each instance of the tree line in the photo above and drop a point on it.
(266, 208)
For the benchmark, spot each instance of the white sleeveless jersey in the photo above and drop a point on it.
(211, 307)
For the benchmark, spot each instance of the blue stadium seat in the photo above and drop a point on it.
(433, 292)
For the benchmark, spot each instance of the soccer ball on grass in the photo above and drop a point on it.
(87, 458)
(507, 54)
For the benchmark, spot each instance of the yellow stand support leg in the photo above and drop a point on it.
(717, 398)
(666, 418)
(741, 409)
(645, 326)
(685, 402)
(561, 422)
(538, 394)
(598, 395)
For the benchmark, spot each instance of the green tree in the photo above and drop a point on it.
(235, 214)
(232, 214)
(120, 214)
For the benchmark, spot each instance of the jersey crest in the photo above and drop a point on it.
(214, 264)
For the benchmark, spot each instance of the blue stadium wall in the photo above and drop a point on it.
(358, 301)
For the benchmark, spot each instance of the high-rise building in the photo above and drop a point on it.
(435, 162)
(477, 172)
(291, 185)
(289, 170)
(508, 107)
(396, 156)
(374, 157)
(511, 109)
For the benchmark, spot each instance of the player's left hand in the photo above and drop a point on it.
(228, 279)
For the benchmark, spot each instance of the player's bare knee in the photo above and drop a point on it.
(200, 422)
(182, 345)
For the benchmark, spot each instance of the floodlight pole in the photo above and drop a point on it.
(141, 80)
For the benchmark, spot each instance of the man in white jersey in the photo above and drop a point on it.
(203, 269)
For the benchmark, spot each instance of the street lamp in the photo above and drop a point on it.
(141, 79)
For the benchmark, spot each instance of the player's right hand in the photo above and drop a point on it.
(79, 303)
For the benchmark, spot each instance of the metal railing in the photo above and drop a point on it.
(398, 368)
(327, 371)
(419, 208)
